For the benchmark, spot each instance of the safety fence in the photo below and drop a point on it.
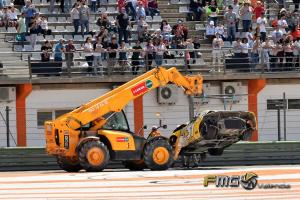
(239, 154)
(133, 62)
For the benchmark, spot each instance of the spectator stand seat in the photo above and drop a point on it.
(27, 47)
(157, 18)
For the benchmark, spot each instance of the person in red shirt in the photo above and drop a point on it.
(121, 4)
(295, 32)
(258, 10)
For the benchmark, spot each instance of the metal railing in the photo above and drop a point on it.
(205, 61)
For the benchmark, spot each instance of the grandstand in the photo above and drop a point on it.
(18, 57)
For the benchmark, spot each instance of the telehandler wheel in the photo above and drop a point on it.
(93, 156)
(158, 155)
(135, 165)
(215, 151)
(68, 165)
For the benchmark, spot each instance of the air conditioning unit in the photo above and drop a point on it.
(167, 94)
(202, 98)
(231, 91)
(7, 94)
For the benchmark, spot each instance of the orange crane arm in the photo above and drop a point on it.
(117, 99)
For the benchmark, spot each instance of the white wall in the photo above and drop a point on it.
(171, 115)
(268, 118)
(53, 100)
(12, 122)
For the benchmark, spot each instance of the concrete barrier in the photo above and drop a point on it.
(243, 153)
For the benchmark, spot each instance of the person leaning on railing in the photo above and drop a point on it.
(46, 50)
(135, 58)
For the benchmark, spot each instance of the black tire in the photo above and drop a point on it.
(67, 165)
(83, 156)
(149, 151)
(215, 151)
(134, 165)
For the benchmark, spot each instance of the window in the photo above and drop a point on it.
(117, 121)
(294, 104)
(272, 104)
(42, 117)
(59, 113)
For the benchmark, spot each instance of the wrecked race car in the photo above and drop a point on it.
(211, 132)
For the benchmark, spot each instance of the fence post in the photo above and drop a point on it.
(186, 61)
(7, 126)
(278, 121)
(29, 67)
(262, 61)
(284, 116)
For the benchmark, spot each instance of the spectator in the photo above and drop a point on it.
(246, 15)
(122, 57)
(236, 10)
(21, 29)
(212, 12)
(280, 54)
(46, 50)
(149, 54)
(266, 50)
(141, 24)
(88, 51)
(261, 22)
(197, 8)
(230, 20)
(62, 6)
(217, 45)
(245, 48)
(2, 4)
(153, 8)
(250, 38)
(112, 49)
(135, 59)
(273, 55)
(288, 53)
(166, 30)
(220, 30)
(122, 24)
(159, 52)
(258, 10)
(296, 53)
(121, 4)
(145, 5)
(296, 2)
(277, 35)
(98, 49)
(94, 6)
(34, 30)
(255, 53)
(75, 17)
(44, 26)
(12, 15)
(58, 50)
(130, 9)
(295, 32)
(103, 21)
(29, 11)
(140, 11)
(5, 18)
(282, 24)
(19, 2)
(69, 55)
(190, 55)
(210, 31)
(237, 48)
(145, 35)
(84, 15)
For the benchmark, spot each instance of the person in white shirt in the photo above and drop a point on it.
(97, 62)
(220, 30)
(217, 45)
(245, 48)
(210, 30)
(266, 49)
(296, 52)
(236, 10)
(255, 52)
(237, 48)
(262, 21)
(277, 34)
(166, 29)
(88, 50)
(282, 24)
(160, 49)
(250, 37)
